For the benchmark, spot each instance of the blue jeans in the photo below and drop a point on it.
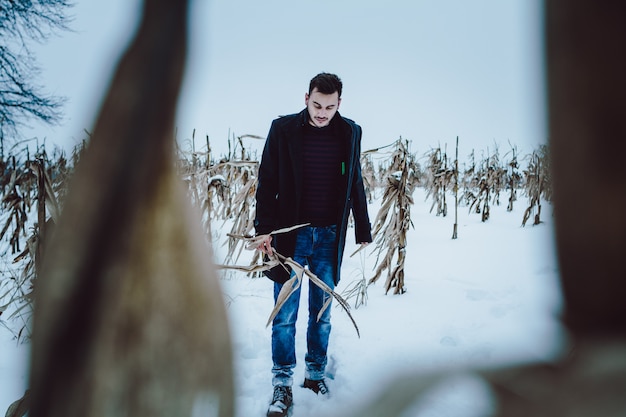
(315, 248)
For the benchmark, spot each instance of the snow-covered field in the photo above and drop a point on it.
(487, 299)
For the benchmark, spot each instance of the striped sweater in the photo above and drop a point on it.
(322, 153)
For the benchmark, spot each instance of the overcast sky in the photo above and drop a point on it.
(425, 70)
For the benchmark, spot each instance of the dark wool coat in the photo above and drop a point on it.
(279, 189)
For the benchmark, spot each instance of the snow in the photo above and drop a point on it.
(487, 299)
(490, 298)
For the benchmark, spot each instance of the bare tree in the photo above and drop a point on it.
(22, 22)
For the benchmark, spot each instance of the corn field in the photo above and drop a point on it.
(33, 185)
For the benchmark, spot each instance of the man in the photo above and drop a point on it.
(310, 173)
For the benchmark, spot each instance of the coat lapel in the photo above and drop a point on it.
(295, 153)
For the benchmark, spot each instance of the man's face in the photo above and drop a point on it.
(321, 107)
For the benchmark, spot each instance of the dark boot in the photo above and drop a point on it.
(318, 387)
(281, 402)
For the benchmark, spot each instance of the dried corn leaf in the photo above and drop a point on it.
(298, 271)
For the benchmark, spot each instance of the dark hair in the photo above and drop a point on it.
(326, 84)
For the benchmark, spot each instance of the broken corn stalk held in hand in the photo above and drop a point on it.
(276, 259)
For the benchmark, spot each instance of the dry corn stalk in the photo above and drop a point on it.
(455, 176)
(369, 176)
(133, 340)
(489, 180)
(276, 259)
(537, 183)
(242, 207)
(42, 179)
(440, 177)
(358, 288)
(393, 220)
(223, 191)
(514, 179)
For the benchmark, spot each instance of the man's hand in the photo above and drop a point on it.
(265, 245)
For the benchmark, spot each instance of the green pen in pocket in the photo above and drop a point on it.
(343, 168)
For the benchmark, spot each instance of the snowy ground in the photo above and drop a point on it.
(487, 299)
